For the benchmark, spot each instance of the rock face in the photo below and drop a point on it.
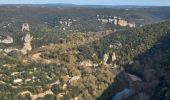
(27, 44)
(122, 22)
(119, 21)
(131, 25)
(7, 40)
(113, 57)
(105, 59)
(115, 20)
(114, 60)
(25, 27)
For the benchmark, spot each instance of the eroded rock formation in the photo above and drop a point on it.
(27, 44)
(113, 57)
(105, 59)
(25, 27)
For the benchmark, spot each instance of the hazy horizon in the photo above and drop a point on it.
(93, 2)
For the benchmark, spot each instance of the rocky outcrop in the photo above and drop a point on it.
(122, 22)
(74, 78)
(7, 40)
(17, 80)
(37, 57)
(105, 59)
(113, 59)
(86, 63)
(131, 24)
(119, 21)
(114, 56)
(8, 50)
(116, 20)
(27, 44)
(25, 27)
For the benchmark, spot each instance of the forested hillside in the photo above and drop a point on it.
(83, 54)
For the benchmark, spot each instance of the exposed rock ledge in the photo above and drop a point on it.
(7, 40)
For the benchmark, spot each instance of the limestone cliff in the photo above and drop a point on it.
(122, 22)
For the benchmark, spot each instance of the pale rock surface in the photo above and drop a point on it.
(17, 80)
(122, 22)
(131, 25)
(75, 78)
(86, 63)
(105, 59)
(113, 56)
(7, 50)
(25, 27)
(7, 40)
(27, 44)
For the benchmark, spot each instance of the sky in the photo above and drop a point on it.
(92, 2)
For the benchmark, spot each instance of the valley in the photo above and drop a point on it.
(73, 52)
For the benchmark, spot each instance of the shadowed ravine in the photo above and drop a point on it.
(147, 67)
